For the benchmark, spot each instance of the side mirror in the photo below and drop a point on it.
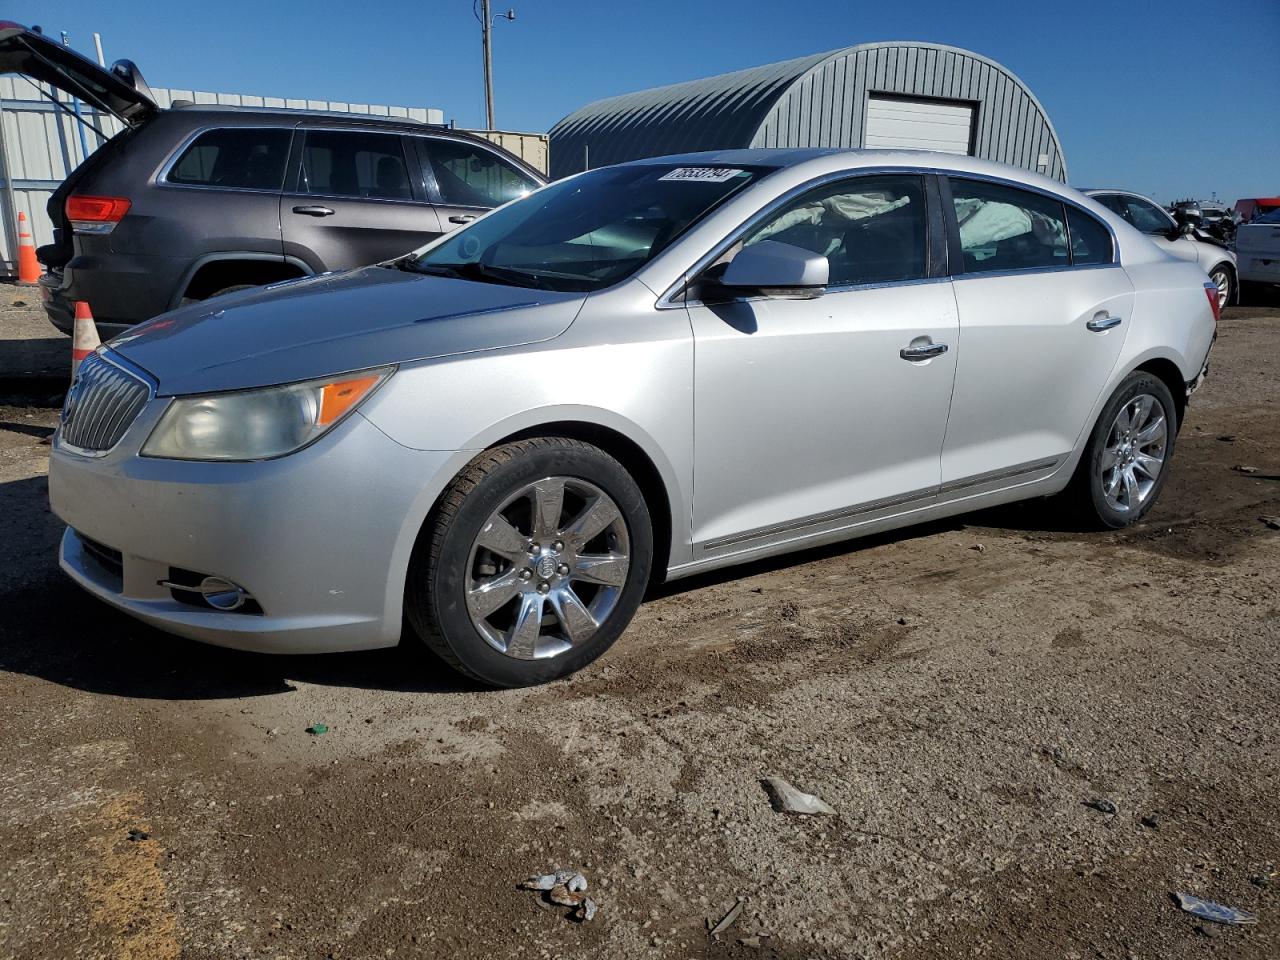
(1186, 228)
(777, 269)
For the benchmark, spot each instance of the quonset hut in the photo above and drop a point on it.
(890, 95)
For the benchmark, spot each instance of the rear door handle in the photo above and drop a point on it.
(922, 351)
(314, 210)
(462, 218)
(1103, 321)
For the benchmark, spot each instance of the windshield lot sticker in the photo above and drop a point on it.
(701, 174)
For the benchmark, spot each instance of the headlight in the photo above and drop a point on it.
(259, 424)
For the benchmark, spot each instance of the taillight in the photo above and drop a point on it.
(1211, 291)
(95, 214)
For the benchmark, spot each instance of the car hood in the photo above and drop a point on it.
(334, 323)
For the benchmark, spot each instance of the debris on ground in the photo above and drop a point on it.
(1264, 878)
(978, 547)
(564, 888)
(1242, 468)
(728, 919)
(787, 799)
(136, 835)
(1214, 912)
(1151, 822)
(1272, 522)
(1228, 438)
(317, 729)
(1102, 805)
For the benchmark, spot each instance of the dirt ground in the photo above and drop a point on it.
(957, 692)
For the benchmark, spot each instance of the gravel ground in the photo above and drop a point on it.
(957, 692)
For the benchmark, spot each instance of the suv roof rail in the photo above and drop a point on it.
(295, 111)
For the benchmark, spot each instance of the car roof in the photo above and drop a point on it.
(853, 159)
(186, 107)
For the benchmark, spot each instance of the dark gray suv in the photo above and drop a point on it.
(197, 200)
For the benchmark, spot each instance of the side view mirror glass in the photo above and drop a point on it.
(777, 269)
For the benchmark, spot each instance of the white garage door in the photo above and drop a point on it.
(918, 125)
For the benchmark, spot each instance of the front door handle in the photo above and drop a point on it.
(314, 210)
(462, 218)
(922, 351)
(1103, 321)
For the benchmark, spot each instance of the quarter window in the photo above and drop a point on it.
(1004, 228)
(351, 164)
(1090, 240)
(246, 158)
(470, 176)
(871, 229)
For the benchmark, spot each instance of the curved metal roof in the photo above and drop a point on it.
(809, 101)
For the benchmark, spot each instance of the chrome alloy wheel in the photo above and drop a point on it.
(547, 568)
(1134, 454)
(1222, 280)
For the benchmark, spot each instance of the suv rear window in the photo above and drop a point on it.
(342, 163)
(248, 158)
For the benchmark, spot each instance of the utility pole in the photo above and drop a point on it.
(486, 38)
(486, 30)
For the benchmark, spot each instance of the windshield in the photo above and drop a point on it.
(587, 232)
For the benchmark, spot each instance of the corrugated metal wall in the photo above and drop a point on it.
(41, 144)
(812, 101)
(827, 107)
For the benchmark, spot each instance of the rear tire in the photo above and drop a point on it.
(1134, 437)
(510, 582)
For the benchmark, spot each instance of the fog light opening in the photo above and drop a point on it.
(222, 594)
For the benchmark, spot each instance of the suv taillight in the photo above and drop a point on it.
(1211, 291)
(95, 214)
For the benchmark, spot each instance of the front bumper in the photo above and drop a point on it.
(321, 539)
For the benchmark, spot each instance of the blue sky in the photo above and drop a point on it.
(1172, 97)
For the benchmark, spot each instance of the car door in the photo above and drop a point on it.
(467, 179)
(813, 415)
(354, 197)
(1044, 310)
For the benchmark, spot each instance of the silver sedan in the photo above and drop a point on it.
(636, 374)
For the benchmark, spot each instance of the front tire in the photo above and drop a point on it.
(532, 564)
(1126, 463)
(1225, 281)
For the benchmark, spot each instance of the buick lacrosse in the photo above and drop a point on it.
(495, 444)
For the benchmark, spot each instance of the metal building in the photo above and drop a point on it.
(895, 94)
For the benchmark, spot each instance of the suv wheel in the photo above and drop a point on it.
(534, 563)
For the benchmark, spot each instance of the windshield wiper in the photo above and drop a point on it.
(474, 270)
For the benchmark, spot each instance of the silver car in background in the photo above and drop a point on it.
(639, 373)
(1183, 241)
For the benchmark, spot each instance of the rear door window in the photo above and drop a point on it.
(468, 175)
(348, 163)
(240, 158)
(1004, 228)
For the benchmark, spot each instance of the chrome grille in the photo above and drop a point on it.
(101, 404)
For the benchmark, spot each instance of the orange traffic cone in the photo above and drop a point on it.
(84, 336)
(28, 265)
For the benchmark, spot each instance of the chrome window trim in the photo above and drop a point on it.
(667, 300)
(161, 176)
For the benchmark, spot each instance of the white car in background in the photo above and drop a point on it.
(1147, 216)
(1258, 246)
